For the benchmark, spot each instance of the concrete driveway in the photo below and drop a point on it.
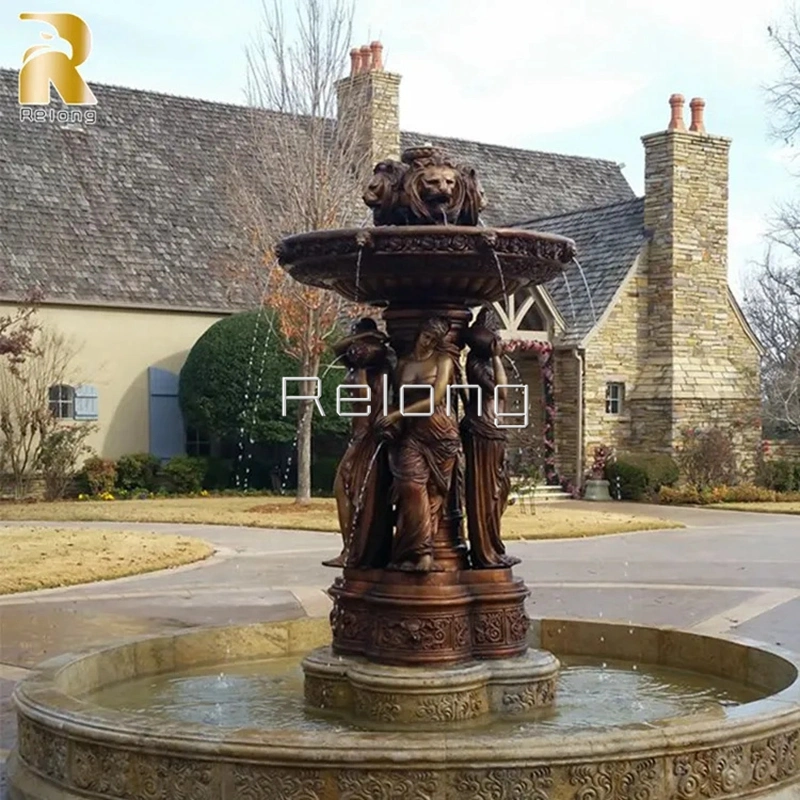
(727, 572)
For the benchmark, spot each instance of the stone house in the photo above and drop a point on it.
(123, 226)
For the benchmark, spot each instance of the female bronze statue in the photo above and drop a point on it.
(487, 479)
(363, 480)
(425, 448)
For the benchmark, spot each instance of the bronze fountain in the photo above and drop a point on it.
(418, 591)
(434, 684)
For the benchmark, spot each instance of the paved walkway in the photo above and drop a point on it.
(726, 572)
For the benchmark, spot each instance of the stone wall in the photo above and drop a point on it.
(783, 449)
(613, 354)
(370, 103)
(699, 365)
(530, 439)
(567, 377)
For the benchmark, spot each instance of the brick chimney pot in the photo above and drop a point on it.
(377, 56)
(355, 61)
(697, 106)
(676, 122)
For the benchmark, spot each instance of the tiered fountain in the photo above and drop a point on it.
(426, 629)
(430, 681)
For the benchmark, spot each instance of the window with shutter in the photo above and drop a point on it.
(61, 399)
(86, 402)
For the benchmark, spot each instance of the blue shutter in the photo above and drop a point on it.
(167, 431)
(86, 402)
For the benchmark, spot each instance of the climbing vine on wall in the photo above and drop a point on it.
(544, 353)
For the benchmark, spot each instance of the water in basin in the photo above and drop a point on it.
(268, 695)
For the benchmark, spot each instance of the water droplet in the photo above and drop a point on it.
(635, 667)
(602, 638)
(604, 665)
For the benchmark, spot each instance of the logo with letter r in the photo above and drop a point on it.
(43, 64)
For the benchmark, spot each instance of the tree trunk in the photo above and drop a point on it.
(305, 422)
(304, 430)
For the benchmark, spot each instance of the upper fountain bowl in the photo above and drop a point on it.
(451, 264)
(428, 245)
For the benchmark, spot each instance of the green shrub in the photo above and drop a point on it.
(627, 481)
(99, 475)
(219, 474)
(780, 474)
(661, 469)
(184, 474)
(138, 471)
(231, 384)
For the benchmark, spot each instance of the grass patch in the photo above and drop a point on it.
(43, 558)
(762, 508)
(550, 521)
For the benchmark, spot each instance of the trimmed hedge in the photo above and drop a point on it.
(231, 384)
(634, 476)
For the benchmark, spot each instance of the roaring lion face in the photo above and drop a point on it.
(435, 192)
(438, 184)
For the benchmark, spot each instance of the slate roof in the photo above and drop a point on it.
(524, 184)
(608, 240)
(131, 210)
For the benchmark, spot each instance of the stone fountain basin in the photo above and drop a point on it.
(430, 263)
(70, 749)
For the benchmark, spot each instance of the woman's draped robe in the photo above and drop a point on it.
(366, 479)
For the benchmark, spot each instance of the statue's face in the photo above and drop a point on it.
(426, 340)
(438, 183)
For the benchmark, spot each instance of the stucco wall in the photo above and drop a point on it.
(114, 350)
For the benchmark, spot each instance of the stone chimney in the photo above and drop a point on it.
(369, 97)
(690, 361)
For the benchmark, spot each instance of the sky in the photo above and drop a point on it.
(584, 77)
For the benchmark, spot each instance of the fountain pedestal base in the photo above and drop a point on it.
(379, 695)
(437, 618)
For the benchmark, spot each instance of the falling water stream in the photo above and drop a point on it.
(586, 286)
(360, 501)
(255, 391)
(358, 271)
(502, 278)
(569, 295)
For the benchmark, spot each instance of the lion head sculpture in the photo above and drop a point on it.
(384, 193)
(435, 194)
(426, 188)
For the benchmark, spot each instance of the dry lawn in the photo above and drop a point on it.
(550, 521)
(42, 558)
(762, 508)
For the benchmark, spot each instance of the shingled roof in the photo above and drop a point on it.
(609, 239)
(131, 210)
(524, 184)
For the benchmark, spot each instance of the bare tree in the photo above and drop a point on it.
(300, 172)
(772, 297)
(27, 423)
(772, 304)
(784, 94)
(17, 333)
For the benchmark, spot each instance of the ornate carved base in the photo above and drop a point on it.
(408, 619)
(389, 696)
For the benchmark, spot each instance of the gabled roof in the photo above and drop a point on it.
(608, 239)
(132, 210)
